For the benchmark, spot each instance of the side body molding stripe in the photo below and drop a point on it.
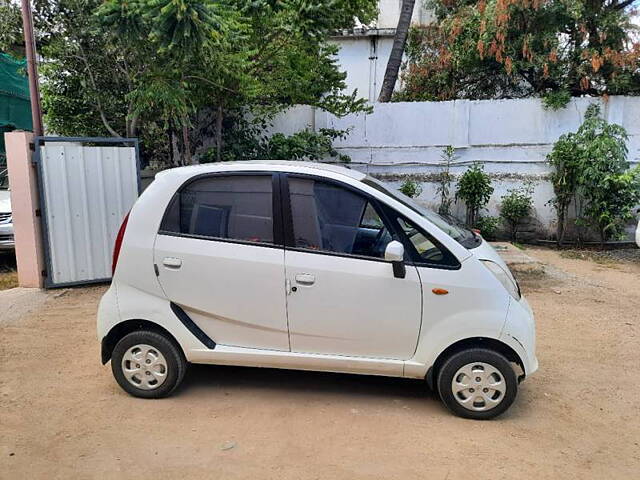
(192, 327)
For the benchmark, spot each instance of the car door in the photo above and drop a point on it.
(343, 298)
(220, 257)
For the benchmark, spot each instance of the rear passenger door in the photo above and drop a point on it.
(220, 257)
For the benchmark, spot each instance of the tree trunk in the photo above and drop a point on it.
(175, 152)
(219, 134)
(397, 51)
(561, 225)
(186, 144)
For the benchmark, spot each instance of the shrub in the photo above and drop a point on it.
(246, 142)
(555, 100)
(488, 227)
(516, 206)
(444, 179)
(591, 170)
(411, 188)
(474, 188)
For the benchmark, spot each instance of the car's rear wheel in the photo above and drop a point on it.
(147, 364)
(477, 383)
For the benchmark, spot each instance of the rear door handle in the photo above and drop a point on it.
(305, 279)
(172, 262)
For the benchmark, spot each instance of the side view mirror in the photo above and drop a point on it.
(394, 253)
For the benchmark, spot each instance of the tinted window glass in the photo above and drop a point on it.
(331, 218)
(235, 207)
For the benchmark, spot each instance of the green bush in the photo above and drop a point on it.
(516, 206)
(411, 188)
(246, 143)
(555, 100)
(590, 170)
(474, 188)
(488, 227)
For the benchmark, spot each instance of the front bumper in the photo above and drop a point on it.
(520, 333)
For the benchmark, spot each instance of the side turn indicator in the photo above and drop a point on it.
(440, 291)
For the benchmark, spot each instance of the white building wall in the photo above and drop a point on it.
(389, 12)
(510, 137)
(364, 52)
(364, 59)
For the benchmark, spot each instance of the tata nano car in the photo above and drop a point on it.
(314, 267)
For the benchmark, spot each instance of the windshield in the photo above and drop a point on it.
(448, 225)
(4, 179)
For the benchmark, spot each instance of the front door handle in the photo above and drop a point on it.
(172, 262)
(305, 279)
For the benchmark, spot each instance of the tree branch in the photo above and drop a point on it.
(103, 117)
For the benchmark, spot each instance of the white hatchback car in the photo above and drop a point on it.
(314, 267)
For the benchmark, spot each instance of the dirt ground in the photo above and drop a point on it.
(63, 416)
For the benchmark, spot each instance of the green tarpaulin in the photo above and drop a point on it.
(15, 109)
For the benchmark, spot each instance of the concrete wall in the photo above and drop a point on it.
(510, 137)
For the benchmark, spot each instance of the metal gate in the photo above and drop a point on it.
(87, 186)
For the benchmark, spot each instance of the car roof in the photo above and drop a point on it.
(269, 165)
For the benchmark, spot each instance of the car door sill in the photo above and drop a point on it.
(251, 357)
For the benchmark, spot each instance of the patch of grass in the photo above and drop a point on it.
(519, 246)
(8, 280)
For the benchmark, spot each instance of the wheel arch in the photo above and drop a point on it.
(473, 342)
(121, 329)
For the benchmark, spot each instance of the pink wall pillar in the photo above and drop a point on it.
(24, 203)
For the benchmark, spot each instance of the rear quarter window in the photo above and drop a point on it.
(234, 207)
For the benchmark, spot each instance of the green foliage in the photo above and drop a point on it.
(444, 179)
(565, 163)
(516, 207)
(411, 188)
(474, 188)
(556, 100)
(303, 145)
(187, 69)
(484, 49)
(488, 227)
(590, 169)
(11, 40)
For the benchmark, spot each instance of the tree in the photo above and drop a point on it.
(179, 72)
(11, 40)
(483, 49)
(609, 190)
(564, 178)
(590, 169)
(397, 51)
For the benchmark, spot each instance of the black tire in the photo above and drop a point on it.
(176, 365)
(479, 355)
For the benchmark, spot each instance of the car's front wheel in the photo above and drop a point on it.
(147, 364)
(477, 383)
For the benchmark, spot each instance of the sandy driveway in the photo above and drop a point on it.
(63, 416)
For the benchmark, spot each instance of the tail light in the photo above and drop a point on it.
(118, 245)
